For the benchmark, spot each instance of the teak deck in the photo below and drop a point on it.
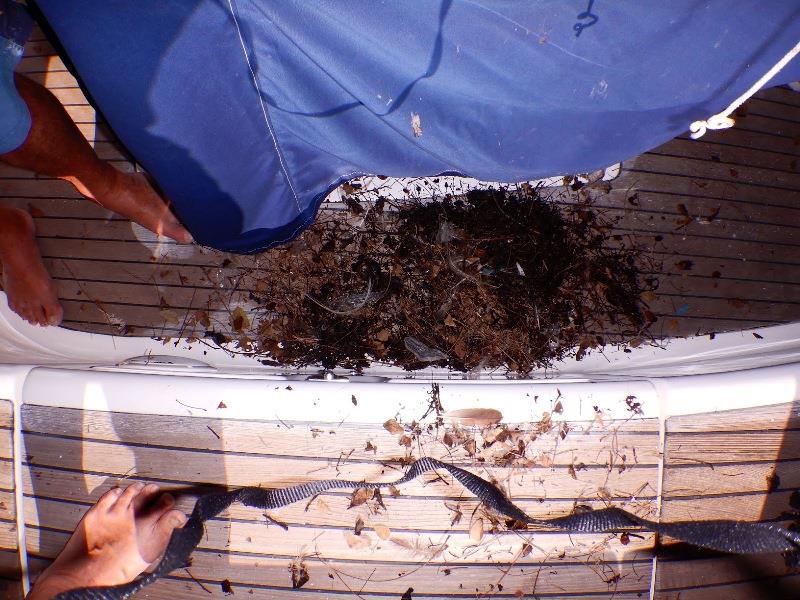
(739, 189)
(741, 465)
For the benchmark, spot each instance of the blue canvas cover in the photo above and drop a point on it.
(248, 112)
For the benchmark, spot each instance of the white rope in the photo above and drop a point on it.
(723, 120)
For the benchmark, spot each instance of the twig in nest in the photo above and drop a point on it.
(345, 312)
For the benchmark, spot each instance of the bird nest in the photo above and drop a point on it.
(496, 278)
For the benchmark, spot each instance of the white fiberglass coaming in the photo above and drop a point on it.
(104, 372)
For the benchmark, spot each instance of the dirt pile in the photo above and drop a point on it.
(495, 278)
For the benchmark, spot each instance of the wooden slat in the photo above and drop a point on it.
(730, 479)
(6, 414)
(729, 155)
(769, 180)
(6, 474)
(209, 566)
(6, 444)
(757, 418)
(700, 279)
(744, 507)
(740, 237)
(7, 506)
(710, 448)
(8, 535)
(695, 184)
(182, 589)
(741, 138)
(764, 589)
(583, 444)
(698, 206)
(238, 470)
(670, 285)
(10, 586)
(678, 574)
(57, 79)
(39, 48)
(327, 510)
(60, 518)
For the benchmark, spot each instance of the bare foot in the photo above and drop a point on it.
(30, 290)
(131, 196)
(117, 539)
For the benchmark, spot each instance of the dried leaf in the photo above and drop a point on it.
(405, 441)
(624, 538)
(545, 460)
(448, 320)
(201, 317)
(526, 550)
(476, 530)
(558, 408)
(227, 588)
(360, 496)
(392, 426)
(370, 447)
(299, 574)
(382, 335)
(222, 405)
(382, 531)
(684, 265)
(239, 320)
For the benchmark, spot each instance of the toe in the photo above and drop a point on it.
(108, 499)
(54, 314)
(152, 514)
(125, 500)
(162, 530)
(145, 498)
(177, 232)
(38, 316)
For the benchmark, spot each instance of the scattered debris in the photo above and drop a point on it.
(416, 124)
(359, 526)
(299, 573)
(633, 406)
(773, 482)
